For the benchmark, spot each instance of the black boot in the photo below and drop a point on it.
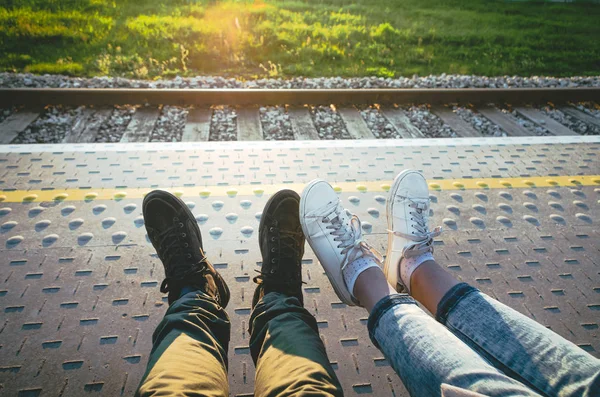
(282, 246)
(174, 233)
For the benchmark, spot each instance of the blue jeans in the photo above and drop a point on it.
(485, 347)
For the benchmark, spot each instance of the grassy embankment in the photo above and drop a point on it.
(389, 38)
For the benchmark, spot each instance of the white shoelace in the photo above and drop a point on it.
(423, 237)
(349, 234)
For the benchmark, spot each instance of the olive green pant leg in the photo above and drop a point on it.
(289, 355)
(189, 353)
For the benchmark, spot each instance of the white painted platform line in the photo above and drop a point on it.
(383, 143)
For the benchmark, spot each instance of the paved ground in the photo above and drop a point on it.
(79, 280)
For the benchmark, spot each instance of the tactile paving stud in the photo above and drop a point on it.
(503, 219)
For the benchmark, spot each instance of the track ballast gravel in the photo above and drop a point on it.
(51, 126)
(114, 127)
(276, 124)
(428, 123)
(378, 124)
(532, 127)
(479, 122)
(329, 123)
(223, 125)
(15, 80)
(576, 125)
(170, 124)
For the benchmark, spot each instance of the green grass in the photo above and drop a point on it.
(389, 38)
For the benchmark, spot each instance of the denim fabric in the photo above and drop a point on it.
(519, 346)
(425, 354)
(383, 306)
(450, 300)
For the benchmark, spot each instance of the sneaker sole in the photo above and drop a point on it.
(334, 283)
(390, 218)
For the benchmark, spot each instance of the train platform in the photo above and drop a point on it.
(79, 280)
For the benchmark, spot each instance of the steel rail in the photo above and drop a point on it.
(207, 97)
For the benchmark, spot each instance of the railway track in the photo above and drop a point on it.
(146, 115)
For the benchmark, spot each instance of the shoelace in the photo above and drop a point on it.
(349, 234)
(288, 250)
(174, 247)
(423, 237)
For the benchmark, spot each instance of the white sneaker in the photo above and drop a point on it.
(408, 209)
(334, 234)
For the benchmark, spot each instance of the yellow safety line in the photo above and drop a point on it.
(258, 190)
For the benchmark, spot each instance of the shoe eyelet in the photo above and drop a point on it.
(273, 261)
(186, 245)
(183, 235)
(271, 229)
(273, 250)
(273, 239)
(180, 224)
(189, 256)
(175, 219)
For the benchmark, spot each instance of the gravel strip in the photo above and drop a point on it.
(329, 123)
(113, 129)
(5, 112)
(51, 126)
(428, 123)
(378, 124)
(223, 125)
(526, 123)
(170, 124)
(276, 124)
(479, 122)
(576, 125)
(589, 108)
(439, 81)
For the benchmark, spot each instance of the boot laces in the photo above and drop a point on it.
(173, 249)
(420, 235)
(284, 247)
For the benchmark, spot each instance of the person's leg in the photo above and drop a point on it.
(285, 345)
(289, 354)
(195, 328)
(513, 343)
(424, 353)
(517, 345)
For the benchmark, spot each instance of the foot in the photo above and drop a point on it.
(334, 234)
(282, 247)
(175, 235)
(408, 209)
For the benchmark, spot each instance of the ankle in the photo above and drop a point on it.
(408, 265)
(370, 287)
(430, 283)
